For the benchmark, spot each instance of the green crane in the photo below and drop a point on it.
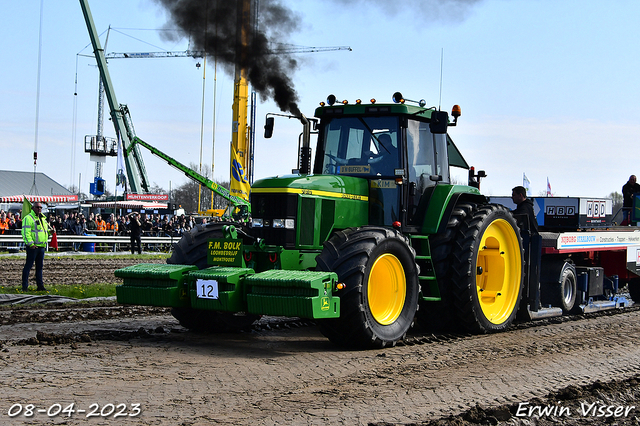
(121, 117)
(240, 207)
(136, 172)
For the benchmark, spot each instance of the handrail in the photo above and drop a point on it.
(621, 209)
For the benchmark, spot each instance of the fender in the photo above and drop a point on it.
(437, 215)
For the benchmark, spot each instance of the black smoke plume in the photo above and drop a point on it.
(212, 25)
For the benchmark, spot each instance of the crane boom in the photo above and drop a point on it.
(190, 173)
(138, 181)
(145, 55)
(284, 48)
(277, 50)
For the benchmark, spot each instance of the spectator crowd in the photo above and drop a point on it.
(108, 224)
(10, 223)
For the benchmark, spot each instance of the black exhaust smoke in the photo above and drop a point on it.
(212, 26)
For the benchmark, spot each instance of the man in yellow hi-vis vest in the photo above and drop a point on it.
(35, 233)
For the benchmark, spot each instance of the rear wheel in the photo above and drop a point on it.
(437, 316)
(487, 270)
(380, 299)
(192, 250)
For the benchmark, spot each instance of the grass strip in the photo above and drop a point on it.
(77, 291)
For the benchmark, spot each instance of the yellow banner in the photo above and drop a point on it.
(239, 180)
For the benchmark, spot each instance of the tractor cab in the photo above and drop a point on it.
(402, 150)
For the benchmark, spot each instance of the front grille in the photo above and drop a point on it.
(307, 210)
(275, 206)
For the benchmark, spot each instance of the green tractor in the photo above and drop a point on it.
(366, 240)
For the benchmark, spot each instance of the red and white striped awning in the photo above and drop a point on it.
(129, 205)
(39, 198)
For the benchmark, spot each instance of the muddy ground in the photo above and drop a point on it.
(68, 268)
(105, 357)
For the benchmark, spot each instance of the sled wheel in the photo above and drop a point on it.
(559, 286)
(487, 270)
(380, 299)
(192, 250)
(634, 289)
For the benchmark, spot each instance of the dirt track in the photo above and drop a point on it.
(68, 269)
(290, 374)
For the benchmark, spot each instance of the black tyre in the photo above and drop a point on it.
(379, 302)
(437, 316)
(634, 289)
(192, 250)
(213, 321)
(487, 270)
(561, 288)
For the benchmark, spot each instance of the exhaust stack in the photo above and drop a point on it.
(304, 159)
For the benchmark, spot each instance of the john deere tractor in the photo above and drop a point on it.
(366, 239)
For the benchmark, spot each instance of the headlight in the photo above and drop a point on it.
(284, 223)
(256, 223)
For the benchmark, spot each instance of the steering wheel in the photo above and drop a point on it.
(340, 161)
(373, 158)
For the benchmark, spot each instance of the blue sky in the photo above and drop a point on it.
(547, 87)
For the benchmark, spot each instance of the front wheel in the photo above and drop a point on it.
(487, 270)
(380, 299)
(192, 250)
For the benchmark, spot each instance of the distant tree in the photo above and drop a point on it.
(74, 190)
(156, 189)
(186, 195)
(456, 180)
(616, 197)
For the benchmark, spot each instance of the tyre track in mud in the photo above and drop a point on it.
(294, 376)
(285, 372)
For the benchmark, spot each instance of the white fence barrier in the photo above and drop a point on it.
(108, 242)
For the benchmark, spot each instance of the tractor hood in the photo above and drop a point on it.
(301, 212)
(330, 186)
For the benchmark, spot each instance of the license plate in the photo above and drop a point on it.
(207, 289)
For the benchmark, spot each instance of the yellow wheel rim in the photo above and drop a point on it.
(499, 270)
(386, 289)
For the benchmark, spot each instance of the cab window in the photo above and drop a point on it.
(364, 146)
(426, 156)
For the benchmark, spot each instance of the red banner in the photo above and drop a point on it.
(40, 198)
(148, 197)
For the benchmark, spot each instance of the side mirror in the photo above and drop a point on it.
(268, 127)
(439, 122)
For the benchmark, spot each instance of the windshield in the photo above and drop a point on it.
(361, 146)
